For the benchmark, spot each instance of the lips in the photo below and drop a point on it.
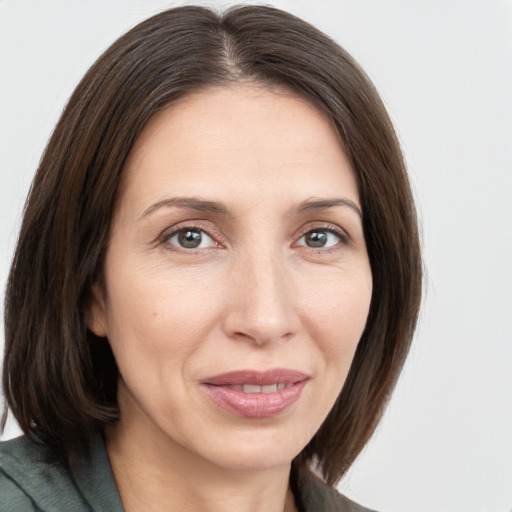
(253, 394)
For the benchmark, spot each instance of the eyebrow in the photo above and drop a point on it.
(324, 204)
(201, 205)
(188, 203)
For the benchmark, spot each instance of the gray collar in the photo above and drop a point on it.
(39, 479)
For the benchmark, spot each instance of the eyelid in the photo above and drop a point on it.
(194, 225)
(324, 226)
(217, 236)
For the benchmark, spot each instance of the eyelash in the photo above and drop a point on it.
(164, 238)
(343, 238)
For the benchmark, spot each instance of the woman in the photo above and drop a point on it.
(217, 277)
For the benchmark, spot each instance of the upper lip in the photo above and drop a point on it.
(260, 378)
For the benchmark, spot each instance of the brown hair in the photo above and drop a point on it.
(59, 379)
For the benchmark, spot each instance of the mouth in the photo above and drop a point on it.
(253, 394)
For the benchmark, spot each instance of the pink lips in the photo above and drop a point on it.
(238, 393)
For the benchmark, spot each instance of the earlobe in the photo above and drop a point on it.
(97, 317)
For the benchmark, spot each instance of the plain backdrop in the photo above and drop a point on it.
(444, 69)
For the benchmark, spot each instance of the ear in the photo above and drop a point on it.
(97, 317)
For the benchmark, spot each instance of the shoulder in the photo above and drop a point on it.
(31, 480)
(13, 499)
(316, 495)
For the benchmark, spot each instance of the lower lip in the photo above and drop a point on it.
(255, 405)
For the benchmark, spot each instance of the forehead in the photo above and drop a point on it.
(238, 140)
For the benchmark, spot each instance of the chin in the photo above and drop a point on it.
(257, 450)
(255, 460)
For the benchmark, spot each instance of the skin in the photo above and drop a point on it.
(253, 295)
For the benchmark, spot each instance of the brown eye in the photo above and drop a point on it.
(188, 238)
(316, 238)
(319, 238)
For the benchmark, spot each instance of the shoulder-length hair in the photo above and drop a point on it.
(59, 379)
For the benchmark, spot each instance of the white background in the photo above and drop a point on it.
(444, 69)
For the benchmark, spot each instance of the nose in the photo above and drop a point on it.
(261, 306)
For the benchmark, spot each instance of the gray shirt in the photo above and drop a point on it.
(31, 481)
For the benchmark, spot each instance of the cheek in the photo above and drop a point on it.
(336, 317)
(154, 316)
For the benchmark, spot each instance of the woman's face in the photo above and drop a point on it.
(236, 280)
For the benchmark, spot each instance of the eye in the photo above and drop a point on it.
(190, 238)
(320, 238)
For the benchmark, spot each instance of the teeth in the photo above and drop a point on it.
(251, 388)
(254, 388)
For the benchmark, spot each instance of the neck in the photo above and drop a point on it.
(152, 475)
